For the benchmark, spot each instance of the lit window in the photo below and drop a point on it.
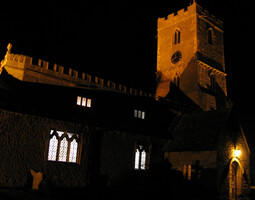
(139, 114)
(187, 172)
(135, 113)
(79, 100)
(143, 115)
(143, 159)
(184, 171)
(89, 103)
(140, 158)
(137, 159)
(63, 150)
(63, 147)
(73, 151)
(53, 148)
(83, 101)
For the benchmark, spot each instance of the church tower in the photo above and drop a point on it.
(191, 55)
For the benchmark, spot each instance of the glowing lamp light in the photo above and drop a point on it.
(237, 153)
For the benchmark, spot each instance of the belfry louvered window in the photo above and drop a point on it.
(210, 36)
(63, 146)
(177, 37)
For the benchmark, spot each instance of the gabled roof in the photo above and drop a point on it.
(197, 131)
(181, 100)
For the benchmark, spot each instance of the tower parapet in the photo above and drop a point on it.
(193, 9)
(26, 68)
(176, 16)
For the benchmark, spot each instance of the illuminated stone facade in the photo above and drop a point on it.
(201, 55)
(186, 137)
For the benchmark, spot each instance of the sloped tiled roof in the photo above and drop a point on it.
(197, 131)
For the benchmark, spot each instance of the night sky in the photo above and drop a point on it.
(116, 40)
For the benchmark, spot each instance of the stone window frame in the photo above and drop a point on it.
(210, 36)
(236, 167)
(177, 80)
(177, 36)
(142, 147)
(70, 137)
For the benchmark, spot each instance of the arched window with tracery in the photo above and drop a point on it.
(63, 146)
(53, 148)
(140, 158)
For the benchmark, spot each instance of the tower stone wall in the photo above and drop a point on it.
(200, 65)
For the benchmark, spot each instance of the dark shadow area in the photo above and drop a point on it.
(160, 182)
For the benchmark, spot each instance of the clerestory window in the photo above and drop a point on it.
(139, 114)
(63, 147)
(83, 101)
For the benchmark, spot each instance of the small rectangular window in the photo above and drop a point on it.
(79, 100)
(83, 101)
(143, 115)
(135, 113)
(89, 103)
(139, 114)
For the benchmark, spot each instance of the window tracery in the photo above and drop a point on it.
(63, 146)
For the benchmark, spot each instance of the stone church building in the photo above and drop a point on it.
(76, 130)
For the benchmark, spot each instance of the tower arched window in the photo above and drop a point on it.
(210, 36)
(177, 36)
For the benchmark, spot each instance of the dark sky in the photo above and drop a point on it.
(116, 40)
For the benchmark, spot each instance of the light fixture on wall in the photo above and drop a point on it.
(237, 153)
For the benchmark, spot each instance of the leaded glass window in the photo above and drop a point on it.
(53, 148)
(63, 146)
(140, 158)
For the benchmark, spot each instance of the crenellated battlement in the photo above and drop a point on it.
(26, 68)
(210, 17)
(178, 15)
(192, 10)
